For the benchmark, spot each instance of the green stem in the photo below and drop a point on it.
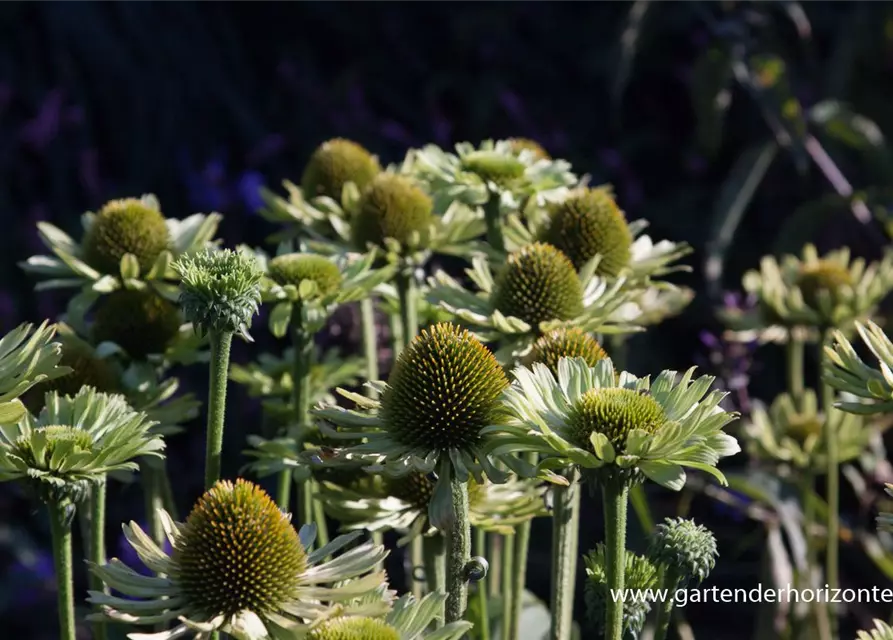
(96, 548)
(480, 549)
(794, 357)
(153, 500)
(220, 346)
(669, 580)
(434, 552)
(522, 548)
(459, 541)
(319, 516)
(508, 592)
(615, 497)
(417, 559)
(167, 492)
(60, 527)
(805, 577)
(302, 345)
(409, 316)
(833, 486)
(494, 223)
(283, 491)
(565, 532)
(494, 555)
(370, 342)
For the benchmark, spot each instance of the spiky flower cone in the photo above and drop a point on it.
(355, 628)
(824, 277)
(589, 223)
(138, 320)
(334, 164)
(293, 268)
(394, 207)
(565, 343)
(122, 227)
(538, 284)
(614, 413)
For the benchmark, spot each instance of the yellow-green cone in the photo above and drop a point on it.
(334, 164)
(86, 369)
(139, 321)
(392, 206)
(526, 144)
(292, 268)
(615, 413)
(589, 223)
(823, 276)
(121, 227)
(355, 628)
(565, 343)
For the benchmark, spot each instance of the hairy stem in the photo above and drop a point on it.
(153, 500)
(494, 555)
(494, 223)
(96, 548)
(794, 370)
(565, 531)
(833, 486)
(60, 527)
(615, 497)
(669, 579)
(459, 540)
(480, 549)
(220, 346)
(416, 560)
(370, 342)
(409, 316)
(434, 550)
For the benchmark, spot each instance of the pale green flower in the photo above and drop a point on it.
(27, 358)
(791, 432)
(127, 244)
(617, 425)
(220, 291)
(818, 292)
(845, 370)
(409, 619)
(443, 391)
(237, 566)
(401, 504)
(881, 631)
(496, 168)
(315, 285)
(74, 442)
(536, 291)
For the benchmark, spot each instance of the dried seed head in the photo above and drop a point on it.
(354, 628)
(125, 226)
(614, 412)
(565, 343)
(140, 321)
(238, 552)
(444, 388)
(392, 206)
(538, 283)
(334, 164)
(589, 223)
(295, 267)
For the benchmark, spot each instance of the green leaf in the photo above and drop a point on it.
(11, 412)
(279, 319)
(130, 267)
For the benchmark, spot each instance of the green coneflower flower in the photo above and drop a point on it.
(74, 442)
(792, 432)
(127, 244)
(220, 291)
(401, 504)
(881, 631)
(27, 359)
(138, 320)
(586, 224)
(408, 620)
(845, 370)
(565, 343)
(237, 566)
(519, 145)
(124, 227)
(622, 425)
(641, 575)
(536, 291)
(442, 394)
(817, 292)
(392, 207)
(685, 548)
(538, 284)
(335, 163)
(294, 268)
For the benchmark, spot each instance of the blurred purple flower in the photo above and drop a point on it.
(248, 187)
(34, 577)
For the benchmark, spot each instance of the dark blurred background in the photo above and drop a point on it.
(741, 128)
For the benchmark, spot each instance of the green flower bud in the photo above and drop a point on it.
(565, 343)
(537, 284)
(355, 628)
(392, 206)
(614, 412)
(122, 227)
(293, 268)
(238, 552)
(640, 574)
(220, 290)
(686, 548)
(334, 164)
(444, 388)
(589, 223)
(140, 321)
